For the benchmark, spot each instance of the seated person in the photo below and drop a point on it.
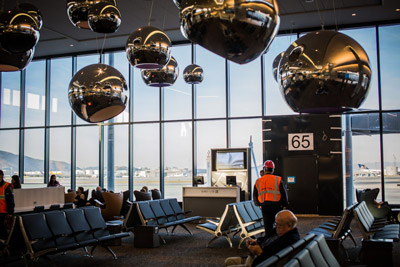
(284, 234)
(80, 199)
(53, 182)
(97, 195)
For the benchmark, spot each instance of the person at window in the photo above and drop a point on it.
(15, 182)
(284, 234)
(97, 196)
(270, 193)
(6, 203)
(144, 189)
(53, 182)
(80, 199)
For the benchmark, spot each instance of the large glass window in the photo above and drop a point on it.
(10, 99)
(146, 156)
(210, 134)
(34, 158)
(116, 151)
(87, 157)
(366, 162)
(245, 88)
(241, 132)
(146, 99)
(210, 94)
(9, 152)
(178, 158)
(366, 38)
(60, 76)
(178, 97)
(275, 104)
(60, 155)
(389, 38)
(35, 96)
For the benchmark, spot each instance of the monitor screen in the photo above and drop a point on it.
(229, 160)
(198, 180)
(230, 180)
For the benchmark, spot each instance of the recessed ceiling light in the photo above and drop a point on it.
(354, 14)
(397, 9)
(71, 45)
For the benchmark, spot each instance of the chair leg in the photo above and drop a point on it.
(173, 229)
(162, 239)
(229, 240)
(352, 239)
(184, 227)
(86, 252)
(240, 243)
(111, 251)
(92, 250)
(212, 240)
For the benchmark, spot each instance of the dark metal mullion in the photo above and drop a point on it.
(228, 103)
(161, 139)
(263, 87)
(47, 123)
(101, 156)
(380, 113)
(22, 125)
(131, 169)
(194, 124)
(73, 135)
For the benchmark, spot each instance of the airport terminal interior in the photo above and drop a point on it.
(156, 117)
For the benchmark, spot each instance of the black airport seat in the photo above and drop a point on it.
(80, 227)
(62, 232)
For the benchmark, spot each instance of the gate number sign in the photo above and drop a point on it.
(300, 141)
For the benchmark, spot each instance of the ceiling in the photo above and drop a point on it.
(58, 36)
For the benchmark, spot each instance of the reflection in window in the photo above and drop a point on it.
(245, 88)
(275, 104)
(366, 162)
(87, 157)
(178, 97)
(178, 158)
(9, 152)
(366, 38)
(389, 39)
(210, 134)
(241, 131)
(35, 93)
(210, 94)
(146, 156)
(34, 157)
(61, 74)
(116, 151)
(60, 155)
(10, 99)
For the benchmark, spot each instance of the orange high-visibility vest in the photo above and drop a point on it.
(3, 204)
(268, 188)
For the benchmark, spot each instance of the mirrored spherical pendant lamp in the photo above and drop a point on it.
(148, 48)
(166, 76)
(97, 93)
(78, 11)
(19, 31)
(178, 3)
(193, 74)
(104, 18)
(15, 61)
(239, 31)
(324, 72)
(275, 65)
(34, 12)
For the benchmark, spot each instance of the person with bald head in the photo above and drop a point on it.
(284, 234)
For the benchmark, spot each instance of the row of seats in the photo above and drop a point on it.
(243, 217)
(372, 228)
(163, 213)
(58, 231)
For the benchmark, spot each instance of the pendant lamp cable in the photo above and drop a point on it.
(320, 16)
(334, 14)
(104, 41)
(151, 11)
(163, 24)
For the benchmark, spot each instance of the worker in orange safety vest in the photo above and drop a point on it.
(270, 194)
(6, 203)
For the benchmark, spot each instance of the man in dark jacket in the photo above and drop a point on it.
(285, 233)
(6, 202)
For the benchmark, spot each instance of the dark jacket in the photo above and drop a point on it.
(284, 197)
(274, 244)
(9, 195)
